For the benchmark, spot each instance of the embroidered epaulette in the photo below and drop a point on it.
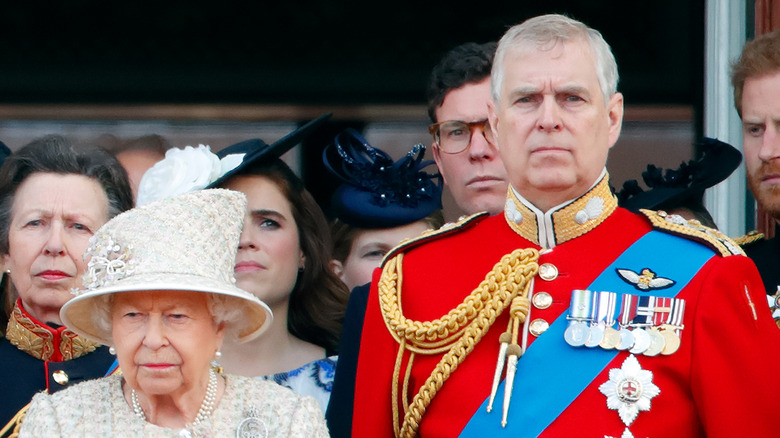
(693, 229)
(447, 229)
(750, 237)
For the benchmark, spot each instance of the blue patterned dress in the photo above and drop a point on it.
(314, 379)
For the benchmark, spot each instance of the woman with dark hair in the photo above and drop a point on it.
(314, 314)
(283, 258)
(54, 195)
(380, 203)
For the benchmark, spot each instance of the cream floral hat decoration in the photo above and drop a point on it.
(188, 242)
(196, 168)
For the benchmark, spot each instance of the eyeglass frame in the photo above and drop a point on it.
(483, 125)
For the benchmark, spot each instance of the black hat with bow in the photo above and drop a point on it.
(684, 186)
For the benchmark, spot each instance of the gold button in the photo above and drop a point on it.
(548, 271)
(60, 377)
(538, 326)
(542, 300)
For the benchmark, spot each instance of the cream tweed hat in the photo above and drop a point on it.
(188, 242)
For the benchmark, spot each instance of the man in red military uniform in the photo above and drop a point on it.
(566, 315)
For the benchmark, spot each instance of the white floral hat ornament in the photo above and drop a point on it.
(181, 171)
(189, 169)
(188, 242)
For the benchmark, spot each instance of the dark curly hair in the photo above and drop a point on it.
(467, 63)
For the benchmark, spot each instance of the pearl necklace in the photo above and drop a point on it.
(206, 408)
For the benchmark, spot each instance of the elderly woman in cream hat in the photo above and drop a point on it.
(159, 289)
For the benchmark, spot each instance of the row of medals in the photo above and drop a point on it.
(636, 339)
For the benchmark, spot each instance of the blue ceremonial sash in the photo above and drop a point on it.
(113, 367)
(537, 401)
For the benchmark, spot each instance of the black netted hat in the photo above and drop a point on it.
(377, 192)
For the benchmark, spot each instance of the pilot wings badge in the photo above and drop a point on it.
(645, 280)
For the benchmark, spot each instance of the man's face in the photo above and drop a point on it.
(476, 177)
(136, 163)
(552, 125)
(761, 139)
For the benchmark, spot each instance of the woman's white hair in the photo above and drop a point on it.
(547, 31)
(223, 309)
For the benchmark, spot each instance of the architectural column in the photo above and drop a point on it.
(725, 36)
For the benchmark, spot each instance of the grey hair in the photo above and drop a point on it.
(223, 309)
(546, 32)
(228, 310)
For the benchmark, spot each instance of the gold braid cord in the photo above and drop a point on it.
(15, 424)
(454, 334)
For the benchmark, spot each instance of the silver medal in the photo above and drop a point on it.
(641, 341)
(626, 339)
(576, 334)
(596, 334)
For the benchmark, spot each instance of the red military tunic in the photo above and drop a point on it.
(718, 384)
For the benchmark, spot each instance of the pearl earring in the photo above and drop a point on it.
(112, 350)
(214, 364)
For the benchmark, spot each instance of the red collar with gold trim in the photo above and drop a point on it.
(44, 342)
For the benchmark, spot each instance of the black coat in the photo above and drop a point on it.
(342, 398)
(25, 375)
(766, 255)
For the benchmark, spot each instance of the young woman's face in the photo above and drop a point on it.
(269, 252)
(368, 249)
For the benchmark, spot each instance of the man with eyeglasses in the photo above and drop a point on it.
(463, 147)
(566, 316)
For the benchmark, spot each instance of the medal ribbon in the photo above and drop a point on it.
(628, 311)
(581, 304)
(676, 315)
(601, 300)
(644, 312)
(114, 366)
(610, 307)
(662, 310)
(669, 255)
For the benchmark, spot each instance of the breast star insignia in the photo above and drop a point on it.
(629, 390)
(626, 434)
(646, 280)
